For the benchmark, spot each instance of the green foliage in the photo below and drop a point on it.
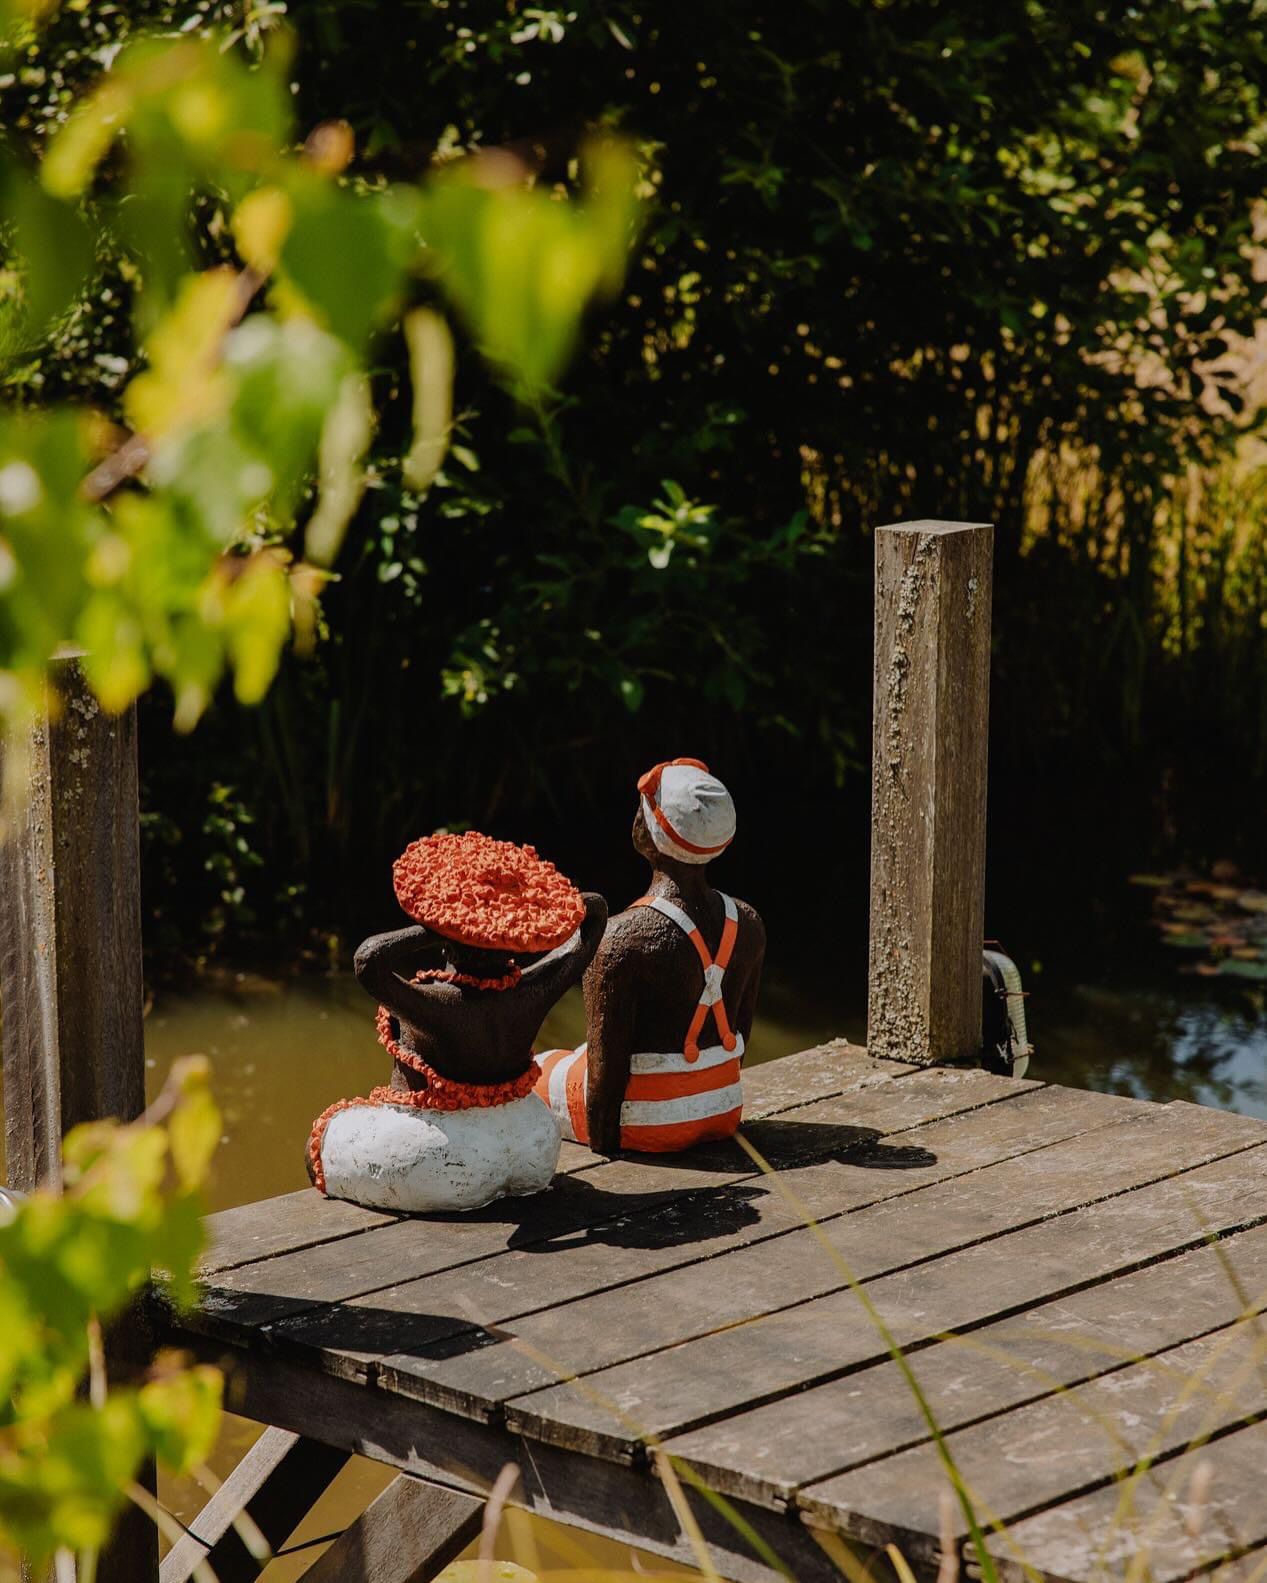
(251, 419)
(69, 1264)
(903, 260)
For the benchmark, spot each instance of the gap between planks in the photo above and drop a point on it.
(1060, 1448)
(1182, 1532)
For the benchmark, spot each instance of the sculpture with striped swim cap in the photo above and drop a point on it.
(671, 993)
(689, 813)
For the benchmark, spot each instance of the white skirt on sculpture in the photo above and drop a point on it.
(398, 1157)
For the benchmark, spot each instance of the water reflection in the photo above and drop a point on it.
(1193, 1043)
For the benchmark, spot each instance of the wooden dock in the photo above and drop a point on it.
(1074, 1279)
(1069, 1272)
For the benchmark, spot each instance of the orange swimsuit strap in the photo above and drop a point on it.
(714, 968)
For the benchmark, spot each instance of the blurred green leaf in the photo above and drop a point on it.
(181, 1415)
(347, 253)
(522, 264)
(69, 1263)
(52, 245)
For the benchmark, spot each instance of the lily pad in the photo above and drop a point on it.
(1237, 969)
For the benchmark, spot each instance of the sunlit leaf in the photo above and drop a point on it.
(288, 378)
(256, 625)
(260, 226)
(431, 369)
(194, 1129)
(182, 1416)
(346, 254)
(184, 383)
(345, 438)
(521, 264)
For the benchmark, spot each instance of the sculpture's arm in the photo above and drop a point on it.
(752, 985)
(384, 965)
(559, 969)
(611, 998)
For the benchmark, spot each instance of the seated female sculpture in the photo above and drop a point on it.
(459, 1124)
(671, 994)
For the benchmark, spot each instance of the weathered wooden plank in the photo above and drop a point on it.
(277, 1482)
(1249, 1568)
(765, 1455)
(406, 1535)
(295, 1221)
(407, 1318)
(243, 1298)
(751, 1363)
(616, 1502)
(928, 789)
(1185, 1516)
(875, 1237)
(1054, 1450)
(828, 1069)
(285, 1224)
(70, 934)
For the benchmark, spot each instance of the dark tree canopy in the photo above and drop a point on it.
(899, 259)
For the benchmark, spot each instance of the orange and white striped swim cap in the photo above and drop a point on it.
(689, 813)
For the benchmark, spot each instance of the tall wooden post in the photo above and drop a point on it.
(70, 934)
(932, 679)
(70, 977)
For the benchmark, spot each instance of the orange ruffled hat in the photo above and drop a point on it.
(481, 892)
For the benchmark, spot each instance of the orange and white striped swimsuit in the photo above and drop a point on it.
(672, 1100)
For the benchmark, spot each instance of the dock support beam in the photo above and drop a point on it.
(70, 978)
(929, 751)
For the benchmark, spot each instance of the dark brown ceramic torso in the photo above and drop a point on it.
(468, 1034)
(657, 956)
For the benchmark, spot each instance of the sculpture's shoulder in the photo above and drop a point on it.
(750, 921)
(638, 932)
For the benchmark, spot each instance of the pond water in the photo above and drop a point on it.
(1125, 1021)
(1108, 1009)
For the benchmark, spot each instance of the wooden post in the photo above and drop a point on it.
(70, 980)
(70, 934)
(929, 740)
(411, 1532)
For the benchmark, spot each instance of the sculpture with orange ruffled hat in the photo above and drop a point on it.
(460, 1125)
(672, 991)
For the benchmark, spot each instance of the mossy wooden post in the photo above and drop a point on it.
(70, 974)
(932, 681)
